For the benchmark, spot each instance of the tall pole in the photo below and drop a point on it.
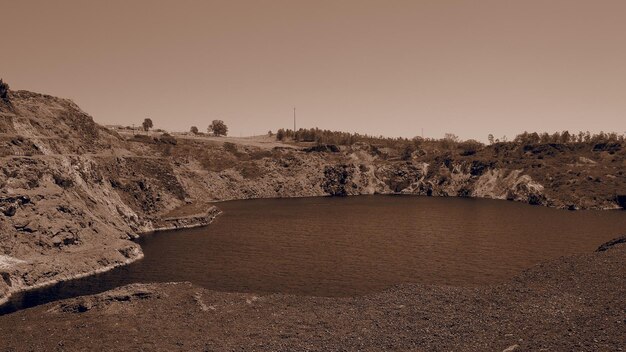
(294, 119)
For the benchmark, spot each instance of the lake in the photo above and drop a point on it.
(331, 246)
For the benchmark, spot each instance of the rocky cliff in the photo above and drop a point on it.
(73, 194)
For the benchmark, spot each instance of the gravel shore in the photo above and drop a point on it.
(571, 304)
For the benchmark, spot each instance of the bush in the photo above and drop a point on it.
(230, 147)
(470, 147)
(167, 139)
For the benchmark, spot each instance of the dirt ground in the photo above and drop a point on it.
(570, 304)
(261, 141)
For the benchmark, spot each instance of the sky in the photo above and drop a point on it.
(389, 67)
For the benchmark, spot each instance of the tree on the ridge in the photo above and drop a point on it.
(4, 90)
(193, 130)
(451, 137)
(280, 134)
(218, 127)
(147, 124)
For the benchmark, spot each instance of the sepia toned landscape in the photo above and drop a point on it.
(346, 232)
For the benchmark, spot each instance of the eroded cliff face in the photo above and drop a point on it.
(455, 180)
(73, 194)
(59, 217)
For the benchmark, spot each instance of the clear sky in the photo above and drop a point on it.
(380, 67)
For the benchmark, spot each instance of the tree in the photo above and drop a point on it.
(4, 90)
(449, 141)
(534, 138)
(491, 138)
(280, 134)
(218, 127)
(417, 142)
(193, 130)
(565, 137)
(451, 137)
(147, 124)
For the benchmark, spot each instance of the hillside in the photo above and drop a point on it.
(73, 193)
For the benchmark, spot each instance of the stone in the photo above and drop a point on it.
(511, 348)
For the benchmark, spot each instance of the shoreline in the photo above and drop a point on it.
(206, 218)
(395, 194)
(202, 220)
(186, 221)
(100, 270)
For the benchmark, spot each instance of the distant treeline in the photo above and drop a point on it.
(449, 142)
(405, 145)
(566, 137)
(331, 137)
(345, 138)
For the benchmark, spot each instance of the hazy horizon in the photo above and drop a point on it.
(387, 68)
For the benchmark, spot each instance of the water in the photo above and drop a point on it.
(352, 246)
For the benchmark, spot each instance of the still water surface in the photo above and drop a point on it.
(347, 246)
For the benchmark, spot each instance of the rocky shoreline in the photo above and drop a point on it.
(135, 253)
(187, 221)
(102, 269)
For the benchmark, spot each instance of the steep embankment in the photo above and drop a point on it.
(73, 194)
(59, 218)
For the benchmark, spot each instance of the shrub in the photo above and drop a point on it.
(470, 147)
(230, 147)
(167, 139)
